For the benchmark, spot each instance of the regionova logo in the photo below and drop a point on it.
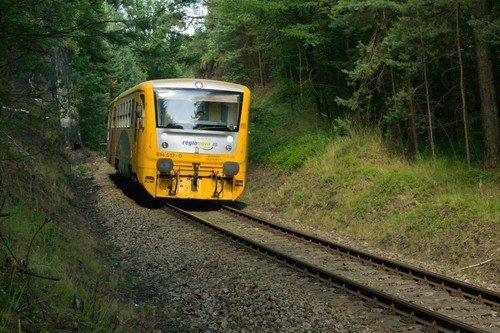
(200, 143)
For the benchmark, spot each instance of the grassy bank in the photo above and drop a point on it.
(347, 180)
(58, 274)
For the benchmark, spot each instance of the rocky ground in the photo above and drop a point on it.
(203, 282)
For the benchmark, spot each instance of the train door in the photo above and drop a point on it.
(113, 135)
(138, 126)
(108, 133)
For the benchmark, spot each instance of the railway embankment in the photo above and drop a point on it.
(58, 273)
(349, 185)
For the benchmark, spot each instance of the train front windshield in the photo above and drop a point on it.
(195, 109)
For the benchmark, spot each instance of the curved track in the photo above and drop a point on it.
(426, 297)
(467, 290)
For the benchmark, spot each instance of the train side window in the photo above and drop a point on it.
(132, 113)
(142, 110)
(127, 110)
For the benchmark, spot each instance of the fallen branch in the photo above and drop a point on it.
(4, 242)
(45, 277)
(3, 203)
(20, 267)
(476, 265)
(33, 239)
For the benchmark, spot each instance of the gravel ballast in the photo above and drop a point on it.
(206, 283)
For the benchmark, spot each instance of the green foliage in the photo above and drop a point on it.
(295, 151)
(359, 60)
(279, 137)
(341, 127)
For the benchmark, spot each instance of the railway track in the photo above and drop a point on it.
(431, 299)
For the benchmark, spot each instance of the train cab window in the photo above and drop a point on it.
(190, 109)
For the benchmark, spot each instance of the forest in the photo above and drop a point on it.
(420, 71)
(372, 119)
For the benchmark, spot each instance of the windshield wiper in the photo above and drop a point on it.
(176, 126)
(211, 127)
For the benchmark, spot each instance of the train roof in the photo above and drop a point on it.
(186, 83)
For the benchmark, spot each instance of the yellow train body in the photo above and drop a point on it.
(182, 138)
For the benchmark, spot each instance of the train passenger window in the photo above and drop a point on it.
(127, 119)
(198, 109)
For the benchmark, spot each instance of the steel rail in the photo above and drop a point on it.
(418, 313)
(484, 295)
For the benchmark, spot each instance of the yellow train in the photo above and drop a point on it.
(182, 138)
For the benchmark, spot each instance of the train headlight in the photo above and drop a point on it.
(230, 139)
(230, 169)
(164, 135)
(165, 165)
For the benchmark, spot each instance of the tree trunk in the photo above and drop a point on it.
(427, 94)
(62, 90)
(313, 74)
(489, 109)
(261, 69)
(462, 86)
(413, 118)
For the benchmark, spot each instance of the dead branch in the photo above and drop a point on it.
(21, 268)
(1, 208)
(4, 241)
(476, 265)
(38, 275)
(45, 222)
